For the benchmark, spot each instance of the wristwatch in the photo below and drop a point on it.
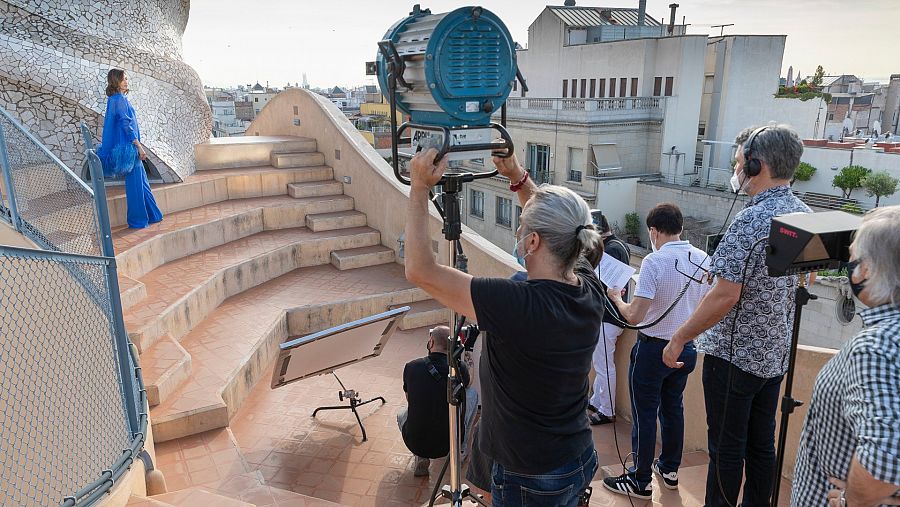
(842, 500)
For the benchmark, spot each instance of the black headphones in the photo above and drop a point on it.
(752, 166)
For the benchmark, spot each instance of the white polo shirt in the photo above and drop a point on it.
(661, 280)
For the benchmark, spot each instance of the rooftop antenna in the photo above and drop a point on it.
(721, 28)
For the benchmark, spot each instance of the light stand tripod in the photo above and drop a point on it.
(456, 491)
(353, 397)
(788, 403)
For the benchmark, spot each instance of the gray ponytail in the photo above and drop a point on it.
(556, 213)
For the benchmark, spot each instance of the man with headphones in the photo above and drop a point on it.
(747, 317)
(424, 423)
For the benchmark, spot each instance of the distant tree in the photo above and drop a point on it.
(804, 172)
(880, 184)
(817, 77)
(850, 178)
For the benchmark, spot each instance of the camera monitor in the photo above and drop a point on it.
(805, 242)
(334, 348)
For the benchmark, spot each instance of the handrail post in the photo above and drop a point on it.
(8, 182)
(104, 230)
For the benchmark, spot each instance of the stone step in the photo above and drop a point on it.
(247, 151)
(131, 291)
(335, 220)
(197, 496)
(293, 160)
(425, 313)
(210, 187)
(183, 292)
(165, 366)
(237, 342)
(315, 188)
(361, 257)
(195, 230)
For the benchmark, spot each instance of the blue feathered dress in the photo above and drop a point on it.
(120, 129)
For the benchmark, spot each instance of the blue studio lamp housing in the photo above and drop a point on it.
(450, 73)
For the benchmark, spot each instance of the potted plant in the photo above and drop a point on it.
(632, 228)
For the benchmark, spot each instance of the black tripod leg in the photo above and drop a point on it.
(361, 427)
(341, 407)
(370, 401)
(437, 483)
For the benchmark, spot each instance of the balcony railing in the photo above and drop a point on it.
(586, 110)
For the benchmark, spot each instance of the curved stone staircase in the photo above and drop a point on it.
(245, 258)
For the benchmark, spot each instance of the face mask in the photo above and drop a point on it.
(652, 244)
(856, 287)
(736, 183)
(515, 251)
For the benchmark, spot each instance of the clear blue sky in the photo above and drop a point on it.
(230, 42)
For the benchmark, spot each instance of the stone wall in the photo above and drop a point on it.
(54, 57)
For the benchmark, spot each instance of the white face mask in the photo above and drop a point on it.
(736, 184)
(652, 244)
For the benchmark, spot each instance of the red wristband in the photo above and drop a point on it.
(517, 186)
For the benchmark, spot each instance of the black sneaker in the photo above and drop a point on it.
(596, 418)
(669, 480)
(625, 485)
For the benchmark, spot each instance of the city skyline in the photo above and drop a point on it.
(844, 43)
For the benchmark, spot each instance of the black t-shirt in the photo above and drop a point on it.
(534, 368)
(427, 429)
(617, 249)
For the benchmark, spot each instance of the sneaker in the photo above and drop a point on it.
(669, 480)
(596, 418)
(422, 465)
(625, 485)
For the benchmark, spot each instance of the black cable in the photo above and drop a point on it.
(612, 404)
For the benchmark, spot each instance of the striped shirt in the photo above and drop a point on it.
(855, 409)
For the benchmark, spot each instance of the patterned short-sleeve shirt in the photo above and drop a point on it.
(765, 315)
(855, 409)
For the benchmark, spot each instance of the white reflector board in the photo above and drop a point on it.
(334, 348)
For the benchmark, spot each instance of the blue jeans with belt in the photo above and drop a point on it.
(657, 391)
(560, 487)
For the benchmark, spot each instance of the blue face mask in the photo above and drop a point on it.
(515, 251)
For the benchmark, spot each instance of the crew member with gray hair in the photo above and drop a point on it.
(850, 446)
(539, 337)
(748, 317)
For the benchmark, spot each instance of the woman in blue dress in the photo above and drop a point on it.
(121, 152)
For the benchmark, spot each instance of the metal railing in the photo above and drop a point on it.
(73, 410)
(718, 179)
(42, 198)
(584, 104)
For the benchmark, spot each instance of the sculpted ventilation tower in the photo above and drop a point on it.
(54, 56)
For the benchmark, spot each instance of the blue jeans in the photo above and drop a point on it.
(560, 487)
(741, 434)
(657, 391)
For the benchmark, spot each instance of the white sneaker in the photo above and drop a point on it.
(669, 480)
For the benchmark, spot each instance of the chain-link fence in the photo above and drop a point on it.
(42, 198)
(63, 404)
(73, 411)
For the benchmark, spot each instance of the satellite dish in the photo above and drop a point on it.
(844, 307)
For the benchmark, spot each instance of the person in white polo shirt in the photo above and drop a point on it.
(657, 390)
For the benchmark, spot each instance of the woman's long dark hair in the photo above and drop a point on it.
(113, 81)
